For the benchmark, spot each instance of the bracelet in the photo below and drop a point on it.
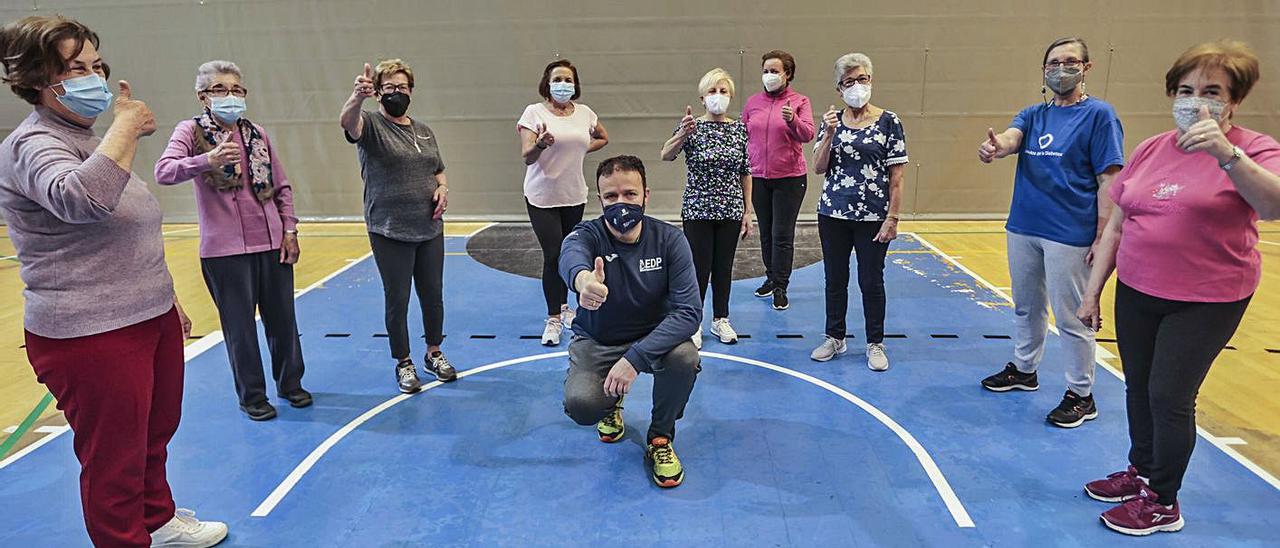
(1236, 154)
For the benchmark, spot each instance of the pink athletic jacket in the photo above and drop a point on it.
(774, 146)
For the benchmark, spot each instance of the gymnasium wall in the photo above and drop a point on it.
(949, 69)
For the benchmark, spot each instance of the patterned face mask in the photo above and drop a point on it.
(623, 216)
(1186, 111)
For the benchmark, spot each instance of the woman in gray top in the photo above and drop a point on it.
(405, 196)
(104, 331)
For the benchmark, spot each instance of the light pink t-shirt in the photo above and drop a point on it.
(1188, 235)
(556, 179)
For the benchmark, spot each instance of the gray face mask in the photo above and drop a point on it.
(1186, 111)
(1062, 80)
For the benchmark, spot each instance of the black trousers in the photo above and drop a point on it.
(840, 238)
(777, 204)
(402, 265)
(551, 225)
(1166, 348)
(240, 286)
(714, 244)
(589, 363)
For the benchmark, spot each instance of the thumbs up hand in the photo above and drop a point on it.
(688, 124)
(831, 119)
(364, 83)
(1206, 136)
(591, 289)
(133, 112)
(788, 113)
(989, 149)
(544, 137)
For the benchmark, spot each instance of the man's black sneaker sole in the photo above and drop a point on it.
(783, 307)
(1026, 387)
(1074, 423)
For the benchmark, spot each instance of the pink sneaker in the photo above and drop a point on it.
(1118, 487)
(1143, 516)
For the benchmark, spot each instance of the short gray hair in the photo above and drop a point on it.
(850, 61)
(206, 73)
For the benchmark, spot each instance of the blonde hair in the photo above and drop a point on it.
(388, 67)
(713, 77)
(1232, 56)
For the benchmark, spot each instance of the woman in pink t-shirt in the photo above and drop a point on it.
(1183, 243)
(555, 136)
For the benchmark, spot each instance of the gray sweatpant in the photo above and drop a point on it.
(589, 362)
(1046, 273)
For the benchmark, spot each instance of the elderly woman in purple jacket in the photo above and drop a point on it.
(248, 234)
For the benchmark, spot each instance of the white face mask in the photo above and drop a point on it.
(561, 91)
(1186, 111)
(717, 104)
(857, 95)
(772, 81)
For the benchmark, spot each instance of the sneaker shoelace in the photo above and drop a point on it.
(611, 420)
(187, 519)
(875, 350)
(554, 322)
(663, 454)
(405, 372)
(831, 343)
(441, 364)
(723, 327)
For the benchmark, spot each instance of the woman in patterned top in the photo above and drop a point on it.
(715, 211)
(862, 151)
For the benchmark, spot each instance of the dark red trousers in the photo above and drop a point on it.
(121, 392)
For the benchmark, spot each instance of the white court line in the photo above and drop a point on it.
(180, 231)
(958, 513)
(1102, 357)
(1268, 243)
(188, 353)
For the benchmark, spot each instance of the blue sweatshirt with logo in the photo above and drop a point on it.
(653, 301)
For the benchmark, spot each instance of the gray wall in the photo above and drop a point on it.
(950, 69)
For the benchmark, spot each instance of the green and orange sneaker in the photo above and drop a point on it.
(611, 428)
(667, 471)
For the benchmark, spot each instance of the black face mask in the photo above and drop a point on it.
(396, 103)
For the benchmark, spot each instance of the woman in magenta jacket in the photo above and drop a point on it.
(779, 122)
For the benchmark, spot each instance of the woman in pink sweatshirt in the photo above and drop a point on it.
(779, 122)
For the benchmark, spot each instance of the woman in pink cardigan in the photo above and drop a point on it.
(779, 122)
(248, 234)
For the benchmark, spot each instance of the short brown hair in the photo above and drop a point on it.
(1232, 56)
(388, 67)
(29, 52)
(544, 86)
(621, 163)
(788, 62)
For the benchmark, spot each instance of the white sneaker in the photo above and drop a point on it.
(697, 338)
(876, 358)
(551, 333)
(566, 316)
(184, 530)
(829, 348)
(720, 327)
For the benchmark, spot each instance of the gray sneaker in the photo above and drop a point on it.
(407, 377)
(439, 365)
(829, 348)
(876, 358)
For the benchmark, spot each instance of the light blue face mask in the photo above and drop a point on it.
(228, 109)
(562, 91)
(87, 96)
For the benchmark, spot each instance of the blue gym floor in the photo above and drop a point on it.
(778, 450)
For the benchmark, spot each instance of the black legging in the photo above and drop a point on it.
(1166, 348)
(713, 244)
(416, 264)
(551, 225)
(777, 204)
(839, 239)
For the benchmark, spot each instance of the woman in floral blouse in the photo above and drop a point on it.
(862, 151)
(716, 212)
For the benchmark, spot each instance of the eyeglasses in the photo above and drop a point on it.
(220, 91)
(393, 88)
(1070, 63)
(849, 82)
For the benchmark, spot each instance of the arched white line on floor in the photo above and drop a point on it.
(948, 495)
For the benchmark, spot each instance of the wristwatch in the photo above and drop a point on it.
(1236, 155)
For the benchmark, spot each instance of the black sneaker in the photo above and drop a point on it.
(780, 301)
(407, 377)
(261, 411)
(765, 290)
(1011, 379)
(439, 366)
(299, 398)
(1073, 410)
